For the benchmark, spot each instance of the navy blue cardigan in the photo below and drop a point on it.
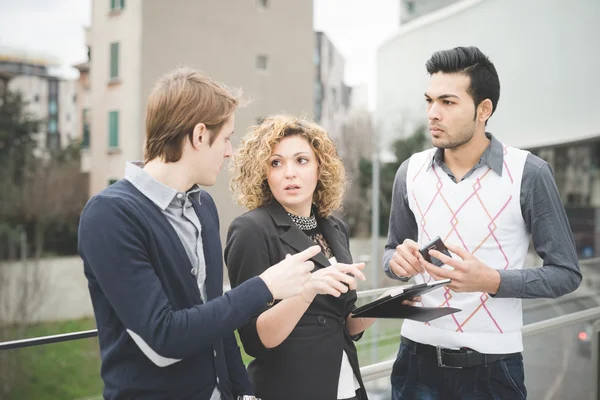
(139, 280)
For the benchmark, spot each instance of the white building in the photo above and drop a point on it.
(411, 9)
(49, 99)
(332, 96)
(546, 54)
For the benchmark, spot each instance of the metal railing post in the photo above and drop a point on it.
(596, 359)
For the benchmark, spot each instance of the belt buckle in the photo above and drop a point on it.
(440, 360)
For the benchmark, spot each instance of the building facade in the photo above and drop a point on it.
(331, 95)
(411, 9)
(261, 46)
(546, 55)
(48, 98)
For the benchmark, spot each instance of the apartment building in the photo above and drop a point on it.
(265, 47)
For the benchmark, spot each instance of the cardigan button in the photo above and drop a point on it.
(194, 271)
(321, 320)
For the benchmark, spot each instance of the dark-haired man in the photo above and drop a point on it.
(484, 200)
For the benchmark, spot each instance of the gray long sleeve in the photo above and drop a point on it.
(545, 219)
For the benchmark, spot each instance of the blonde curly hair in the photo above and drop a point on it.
(249, 164)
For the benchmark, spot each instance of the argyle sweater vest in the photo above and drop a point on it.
(482, 214)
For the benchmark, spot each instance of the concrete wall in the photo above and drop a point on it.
(55, 289)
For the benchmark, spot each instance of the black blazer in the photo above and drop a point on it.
(307, 364)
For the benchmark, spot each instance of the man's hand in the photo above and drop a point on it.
(404, 262)
(331, 280)
(285, 279)
(469, 274)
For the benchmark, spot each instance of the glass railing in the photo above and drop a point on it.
(560, 341)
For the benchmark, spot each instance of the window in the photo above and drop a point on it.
(85, 135)
(317, 57)
(111, 181)
(114, 60)
(262, 62)
(53, 88)
(74, 98)
(410, 6)
(52, 126)
(116, 5)
(113, 129)
(36, 98)
(52, 107)
(262, 4)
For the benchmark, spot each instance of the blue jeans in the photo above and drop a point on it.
(419, 378)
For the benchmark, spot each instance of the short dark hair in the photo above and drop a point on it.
(477, 66)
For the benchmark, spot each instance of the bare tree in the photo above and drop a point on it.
(356, 144)
(38, 189)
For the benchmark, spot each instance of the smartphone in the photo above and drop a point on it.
(435, 244)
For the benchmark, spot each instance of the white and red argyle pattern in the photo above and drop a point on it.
(482, 214)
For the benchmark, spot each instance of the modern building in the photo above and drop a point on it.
(332, 96)
(49, 99)
(84, 108)
(265, 47)
(547, 59)
(411, 9)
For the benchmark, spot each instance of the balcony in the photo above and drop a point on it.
(561, 356)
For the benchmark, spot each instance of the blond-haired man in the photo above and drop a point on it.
(152, 255)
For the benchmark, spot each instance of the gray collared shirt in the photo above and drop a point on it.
(179, 211)
(544, 217)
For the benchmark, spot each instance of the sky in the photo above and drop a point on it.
(53, 29)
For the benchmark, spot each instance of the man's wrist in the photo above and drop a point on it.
(494, 282)
(396, 276)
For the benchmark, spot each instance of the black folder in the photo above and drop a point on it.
(391, 306)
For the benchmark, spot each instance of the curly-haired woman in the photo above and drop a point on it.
(288, 174)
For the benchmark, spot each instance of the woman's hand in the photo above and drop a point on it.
(333, 280)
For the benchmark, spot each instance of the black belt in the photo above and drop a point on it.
(464, 358)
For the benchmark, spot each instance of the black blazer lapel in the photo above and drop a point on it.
(336, 238)
(291, 234)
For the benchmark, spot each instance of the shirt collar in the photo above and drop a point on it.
(159, 193)
(493, 156)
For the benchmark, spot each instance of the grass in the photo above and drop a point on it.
(71, 370)
(65, 371)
